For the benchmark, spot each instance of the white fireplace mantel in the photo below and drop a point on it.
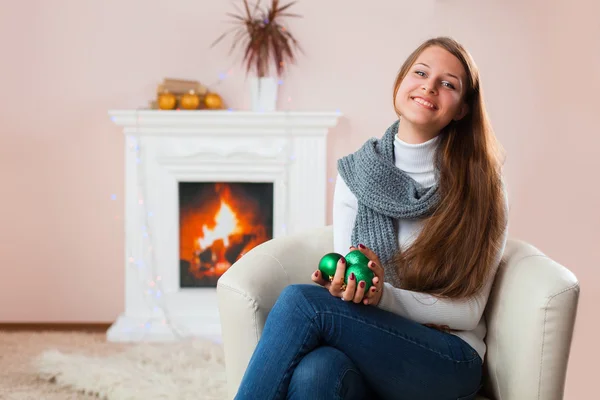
(163, 148)
(246, 123)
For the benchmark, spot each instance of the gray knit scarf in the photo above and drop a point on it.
(384, 193)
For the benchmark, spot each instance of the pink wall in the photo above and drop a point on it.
(66, 62)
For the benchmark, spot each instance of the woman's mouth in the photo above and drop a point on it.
(424, 103)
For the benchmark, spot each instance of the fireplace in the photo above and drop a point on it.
(218, 224)
(201, 189)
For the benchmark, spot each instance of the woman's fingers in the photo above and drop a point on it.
(368, 252)
(379, 274)
(377, 270)
(374, 264)
(348, 294)
(377, 282)
(317, 277)
(337, 285)
(360, 292)
(369, 295)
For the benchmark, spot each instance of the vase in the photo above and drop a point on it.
(263, 92)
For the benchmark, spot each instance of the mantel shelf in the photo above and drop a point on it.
(200, 122)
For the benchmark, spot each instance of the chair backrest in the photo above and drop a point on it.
(530, 319)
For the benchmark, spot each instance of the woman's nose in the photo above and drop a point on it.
(428, 88)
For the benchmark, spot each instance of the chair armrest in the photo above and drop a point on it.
(530, 318)
(248, 290)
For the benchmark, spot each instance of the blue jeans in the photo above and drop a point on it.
(316, 346)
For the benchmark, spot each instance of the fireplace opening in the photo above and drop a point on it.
(218, 223)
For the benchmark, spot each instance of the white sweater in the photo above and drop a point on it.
(465, 316)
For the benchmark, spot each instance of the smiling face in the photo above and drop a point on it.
(432, 92)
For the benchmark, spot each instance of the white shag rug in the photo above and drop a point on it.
(187, 369)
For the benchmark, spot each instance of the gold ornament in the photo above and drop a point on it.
(190, 101)
(166, 101)
(213, 101)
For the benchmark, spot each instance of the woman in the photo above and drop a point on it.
(426, 204)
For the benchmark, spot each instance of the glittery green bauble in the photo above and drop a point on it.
(355, 257)
(358, 263)
(328, 265)
(362, 273)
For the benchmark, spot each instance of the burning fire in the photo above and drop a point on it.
(227, 224)
(215, 235)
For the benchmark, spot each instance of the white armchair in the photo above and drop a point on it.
(530, 314)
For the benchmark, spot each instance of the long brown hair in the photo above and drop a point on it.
(453, 254)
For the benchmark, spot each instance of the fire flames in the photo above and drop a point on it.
(227, 224)
(217, 233)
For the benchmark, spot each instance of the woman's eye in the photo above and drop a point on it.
(448, 84)
(421, 73)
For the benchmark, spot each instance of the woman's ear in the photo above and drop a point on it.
(464, 110)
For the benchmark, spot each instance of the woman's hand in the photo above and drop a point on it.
(354, 291)
(374, 294)
(336, 286)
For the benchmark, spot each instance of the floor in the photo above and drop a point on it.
(17, 350)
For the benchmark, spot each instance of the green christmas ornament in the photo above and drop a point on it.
(328, 265)
(361, 273)
(355, 257)
(358, 263)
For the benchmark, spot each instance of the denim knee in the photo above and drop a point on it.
(290, 296)
(326, 373)
(319, 364)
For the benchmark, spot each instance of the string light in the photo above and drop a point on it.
(154, 293)
(221, 76)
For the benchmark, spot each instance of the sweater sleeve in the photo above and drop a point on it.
(345, 209)
(463, 314)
